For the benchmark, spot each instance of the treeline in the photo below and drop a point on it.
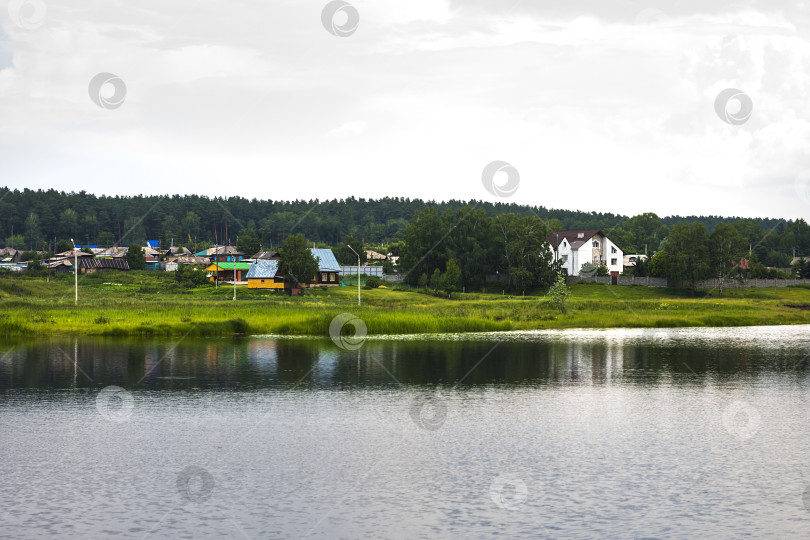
(37, 219)
(690, 253)
(463, 249)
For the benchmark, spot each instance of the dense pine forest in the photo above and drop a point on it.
(37, 219)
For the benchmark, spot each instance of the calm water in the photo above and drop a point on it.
(667, 434)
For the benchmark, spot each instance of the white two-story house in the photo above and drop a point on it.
(575, 248)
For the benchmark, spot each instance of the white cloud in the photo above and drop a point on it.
(600, 105)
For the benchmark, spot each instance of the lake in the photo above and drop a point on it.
(677, 433)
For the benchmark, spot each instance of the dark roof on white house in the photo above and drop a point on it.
(575, 238)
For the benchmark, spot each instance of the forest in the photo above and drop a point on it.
(39, 219)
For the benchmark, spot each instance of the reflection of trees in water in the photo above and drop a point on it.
(306, 363)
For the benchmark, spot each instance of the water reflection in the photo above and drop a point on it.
(659, 357)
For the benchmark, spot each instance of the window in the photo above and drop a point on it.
(613, 250)
(596, 243)
(262, 281)
(565, 258)
(613, 262)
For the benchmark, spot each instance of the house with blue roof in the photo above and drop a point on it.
(328, 267)
(265, 274)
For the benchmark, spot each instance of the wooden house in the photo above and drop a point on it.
(228, 271)
(328, 267)
(263, 274)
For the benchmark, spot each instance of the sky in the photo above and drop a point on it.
(594, 105)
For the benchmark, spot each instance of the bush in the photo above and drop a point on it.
(372, 282)
(190, 276)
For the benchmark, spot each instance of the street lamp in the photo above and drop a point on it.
(358, 272)
(75, 272)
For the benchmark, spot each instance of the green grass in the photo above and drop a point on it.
(152, 304)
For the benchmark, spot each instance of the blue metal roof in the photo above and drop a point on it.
(263, 269)
(327, 261)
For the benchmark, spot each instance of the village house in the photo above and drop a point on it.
(575, 248)
(221, 254)
(10, 255)
(228, 271)
(264, 273)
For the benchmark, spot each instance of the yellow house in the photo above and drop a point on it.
(228, 271)
(263, 274)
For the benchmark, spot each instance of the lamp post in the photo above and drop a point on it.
(75, 272)
(358, 272)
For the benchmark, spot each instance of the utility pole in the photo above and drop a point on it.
(75, 272)
(358, 273)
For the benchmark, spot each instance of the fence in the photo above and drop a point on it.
(371, 271)
(704, 284)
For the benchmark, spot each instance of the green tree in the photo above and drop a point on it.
(248, 242)
(435, 280)
(688, 254)
(105, 239)
(726, 248)
(451, 279)
(559, 294)
(423, 281)
(190, 276)
(136, 257)
(17, 242)
(63, 245)
(32, 230)
(297, 263)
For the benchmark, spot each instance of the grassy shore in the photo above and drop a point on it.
(151, 303)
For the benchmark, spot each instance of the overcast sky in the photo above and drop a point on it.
(598, 105)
